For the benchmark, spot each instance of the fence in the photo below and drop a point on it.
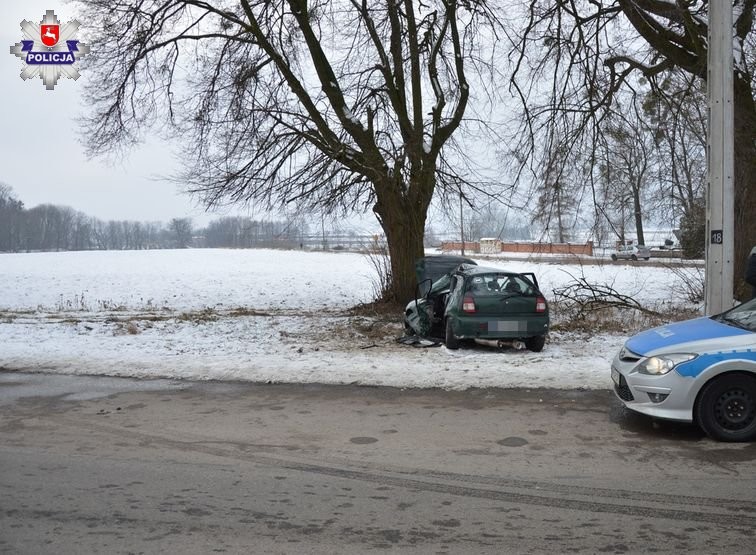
(524, 247)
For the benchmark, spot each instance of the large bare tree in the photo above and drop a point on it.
(329, 105)
(586, 51)
(631, 161)
(679, 120)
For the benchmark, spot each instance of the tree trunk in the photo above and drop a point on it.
(638, 215)
(402, 217)
(405, 244)
(745, 173)
(560, 231)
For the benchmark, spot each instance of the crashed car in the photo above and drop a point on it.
(701, 370)
(487, 305)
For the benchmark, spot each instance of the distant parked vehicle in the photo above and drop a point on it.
(631, 252)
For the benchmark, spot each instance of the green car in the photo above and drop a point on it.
(471, 302)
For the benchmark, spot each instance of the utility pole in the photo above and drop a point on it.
(720, 226)
(461, 226)
(322, 229)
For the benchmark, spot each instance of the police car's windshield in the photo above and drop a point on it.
(742, 316)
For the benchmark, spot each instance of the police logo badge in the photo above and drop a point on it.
(49, 50)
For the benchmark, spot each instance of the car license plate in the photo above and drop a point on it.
(615, 376)
(505, 325)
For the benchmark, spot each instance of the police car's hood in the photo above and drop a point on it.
(688, 336)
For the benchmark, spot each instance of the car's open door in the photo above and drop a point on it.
(532, 278)
(435, 267)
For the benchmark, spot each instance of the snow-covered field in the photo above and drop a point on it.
(269, 315)
(182, 280)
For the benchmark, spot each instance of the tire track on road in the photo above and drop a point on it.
(660, 506)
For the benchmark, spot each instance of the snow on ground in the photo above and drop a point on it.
(182, 280)
(268, 316)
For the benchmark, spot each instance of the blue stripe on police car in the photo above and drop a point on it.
(696, 366)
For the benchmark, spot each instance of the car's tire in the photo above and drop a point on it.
(408, 329)
(450, 339)
(535, 343)
(614, 257)
(633, 257)
(647, 258)
(726, 408)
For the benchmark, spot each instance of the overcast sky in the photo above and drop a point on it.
(41, 157)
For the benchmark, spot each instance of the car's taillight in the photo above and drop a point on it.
(540, 304)
(468, 304)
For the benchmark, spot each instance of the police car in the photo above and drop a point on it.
(701, 370)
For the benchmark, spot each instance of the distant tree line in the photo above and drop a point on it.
(244, 232)
(50, 227)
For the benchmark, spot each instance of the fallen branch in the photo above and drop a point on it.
(580, 299)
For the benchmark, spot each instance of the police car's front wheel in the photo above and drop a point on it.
(726, 408)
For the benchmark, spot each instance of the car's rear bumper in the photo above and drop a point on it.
(493, 327)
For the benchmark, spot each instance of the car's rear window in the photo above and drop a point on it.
(498, 284)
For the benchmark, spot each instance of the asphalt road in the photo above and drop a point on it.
(104, 465)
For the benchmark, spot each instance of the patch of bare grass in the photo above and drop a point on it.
(375, 329)
(126, 327)
(198, 316)
(387, 310)
(243, 311)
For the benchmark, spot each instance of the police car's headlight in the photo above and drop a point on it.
(663, 364)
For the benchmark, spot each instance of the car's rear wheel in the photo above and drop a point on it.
(614, 257)
(647, 258)
(726, 408)
(633, 257)
(450, 339)
(408, 329)
(535, 343)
